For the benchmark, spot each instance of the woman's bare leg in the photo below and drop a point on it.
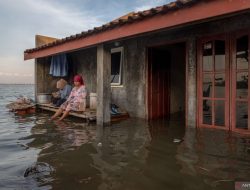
(65, 114)
(58, 112)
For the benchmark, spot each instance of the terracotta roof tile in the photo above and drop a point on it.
(126, 19)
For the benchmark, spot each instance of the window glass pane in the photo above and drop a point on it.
(219, 111)
(207, 112)
(242, 85)
(241, 115)
(219, 55)
(115, 67)
(219, 85)
(242, 53)
(207, 85)
(208, 56)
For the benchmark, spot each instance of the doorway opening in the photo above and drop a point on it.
(167, 82)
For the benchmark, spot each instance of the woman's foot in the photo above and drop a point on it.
(53, 117)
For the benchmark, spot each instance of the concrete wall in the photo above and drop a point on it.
(177, 78)
(84, 62)
(41, 40)
(131, 95)
(44, 81)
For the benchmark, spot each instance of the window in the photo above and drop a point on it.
(214, 84)
(116, 66)
(224, 100)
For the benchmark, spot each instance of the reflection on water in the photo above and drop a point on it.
(136, 155)
(130, 155)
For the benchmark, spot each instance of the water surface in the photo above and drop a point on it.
(129, 155)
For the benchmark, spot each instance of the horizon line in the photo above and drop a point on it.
(17, 83)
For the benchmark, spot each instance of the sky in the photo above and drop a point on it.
(21, 20)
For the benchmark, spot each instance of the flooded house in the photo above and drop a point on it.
(186, 60)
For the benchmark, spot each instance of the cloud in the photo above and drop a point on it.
(45, 17)
(148, 4)
(21, 20)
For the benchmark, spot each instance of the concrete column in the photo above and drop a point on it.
(191, 83)
(103, 85)
(36, 90)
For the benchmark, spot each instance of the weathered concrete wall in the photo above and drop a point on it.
(177, 77)
(40, 66)
(45, 82)
(131, 95)
(41, 40)
(84, 62)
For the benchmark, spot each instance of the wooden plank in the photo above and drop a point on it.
(119, 117)
(88, 114)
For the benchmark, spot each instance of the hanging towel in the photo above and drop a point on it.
(59, 66)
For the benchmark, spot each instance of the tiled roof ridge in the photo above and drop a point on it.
(135, 16)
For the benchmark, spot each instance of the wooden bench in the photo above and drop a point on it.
(88, 114)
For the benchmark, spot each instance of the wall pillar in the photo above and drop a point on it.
(191, 83)
(103, 85)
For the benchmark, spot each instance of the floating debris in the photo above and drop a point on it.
(22, 103)
(205, 169)
(38, 168)
(25, 147)
(85, 180)
(99, 144)
(177, 140)
(41, 121)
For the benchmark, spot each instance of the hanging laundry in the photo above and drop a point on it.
(59, 66)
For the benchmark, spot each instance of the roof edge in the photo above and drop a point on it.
(180, 15)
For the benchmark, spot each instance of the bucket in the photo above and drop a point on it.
(43, 98)
(93, 101)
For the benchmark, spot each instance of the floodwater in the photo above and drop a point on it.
(130, 155)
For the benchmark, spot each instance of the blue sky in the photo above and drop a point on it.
(21, 20)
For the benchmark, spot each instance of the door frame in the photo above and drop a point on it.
(147, 61)
(234, 36)
(152, 54)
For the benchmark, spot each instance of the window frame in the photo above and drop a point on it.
(231, 111)
(115, 50)
(226, 99)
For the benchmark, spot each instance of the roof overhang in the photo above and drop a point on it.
(202, 10)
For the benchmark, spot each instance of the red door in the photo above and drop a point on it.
(158, 83)
(213, 82)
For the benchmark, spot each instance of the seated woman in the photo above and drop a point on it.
(62, 95)
(74, 101)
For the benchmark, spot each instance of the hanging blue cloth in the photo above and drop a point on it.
(59, 66)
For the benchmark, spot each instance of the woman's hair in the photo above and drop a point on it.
(78, 78)
(60, 84)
